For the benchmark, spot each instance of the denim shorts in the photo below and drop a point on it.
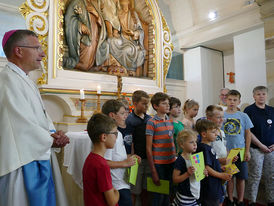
(125, 197)
(242, 166)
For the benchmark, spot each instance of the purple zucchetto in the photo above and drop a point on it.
(7, 36)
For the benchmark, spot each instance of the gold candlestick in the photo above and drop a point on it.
(119, 86)
(98, 103)
(82, 118)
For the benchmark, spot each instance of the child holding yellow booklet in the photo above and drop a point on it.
(211, 187)
(188, 191)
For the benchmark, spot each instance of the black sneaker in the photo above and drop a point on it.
(252, 204)
(240, 204)
(229, 203)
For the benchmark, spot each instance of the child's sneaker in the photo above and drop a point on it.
(229, 203)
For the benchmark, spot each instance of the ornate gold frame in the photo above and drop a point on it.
(45, 17)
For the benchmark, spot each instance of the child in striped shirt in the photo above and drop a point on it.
(160, 147)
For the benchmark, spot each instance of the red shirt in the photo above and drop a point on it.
(96, 180)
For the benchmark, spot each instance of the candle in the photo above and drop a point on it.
(82, 94)
(98, 89)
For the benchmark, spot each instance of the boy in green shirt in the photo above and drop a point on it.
(174, 113)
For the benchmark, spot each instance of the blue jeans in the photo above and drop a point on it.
(165, 173)
(125, 197)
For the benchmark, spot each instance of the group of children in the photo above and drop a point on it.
(162, 145)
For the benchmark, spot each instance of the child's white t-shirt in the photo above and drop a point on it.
(219, 145)
(194, 185)
(118, 153)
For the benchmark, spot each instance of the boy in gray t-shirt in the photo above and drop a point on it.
(238, 135)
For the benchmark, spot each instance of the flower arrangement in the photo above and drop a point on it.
(130, 104)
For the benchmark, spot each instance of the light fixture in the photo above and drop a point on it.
(212, 15)
(249, 2)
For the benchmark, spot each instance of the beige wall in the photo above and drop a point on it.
(270, 74)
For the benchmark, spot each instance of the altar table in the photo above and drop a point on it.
(76, 153)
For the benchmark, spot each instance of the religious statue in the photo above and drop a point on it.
(85, 34)
(109, 9)
(103, 35)
(128, 48)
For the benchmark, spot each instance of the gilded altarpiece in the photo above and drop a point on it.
(60, 86)
(47, 19)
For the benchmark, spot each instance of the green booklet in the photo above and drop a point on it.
(133, 173)
(163, 188)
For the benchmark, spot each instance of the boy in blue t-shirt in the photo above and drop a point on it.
(211, 187)
(238, 135)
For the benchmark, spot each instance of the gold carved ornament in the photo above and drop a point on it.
(168, 48)
(35, 13)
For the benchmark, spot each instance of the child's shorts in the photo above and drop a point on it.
(242, 166)
(224, 188)
(141, 181)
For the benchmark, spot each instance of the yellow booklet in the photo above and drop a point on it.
(231, 169)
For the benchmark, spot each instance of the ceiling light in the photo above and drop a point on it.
(212, 15)
(249, 2)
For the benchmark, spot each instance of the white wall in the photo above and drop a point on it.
(250, 67)
(193, 76)
(177, 88)
(212, 76)
(204, 76)
(10, 19)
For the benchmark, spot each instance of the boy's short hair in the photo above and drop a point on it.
(210, 110)
(184, 135)
(260, 88)
(157, 98)
(99, 124)
(138, 95)
(112, 105)
(173, 101)
(234, 92)
(204, 125)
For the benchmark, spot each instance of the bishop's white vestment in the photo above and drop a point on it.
(24, 123)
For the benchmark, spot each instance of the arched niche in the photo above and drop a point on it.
(46, 18)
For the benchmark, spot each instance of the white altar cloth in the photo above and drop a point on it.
(75, 154)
